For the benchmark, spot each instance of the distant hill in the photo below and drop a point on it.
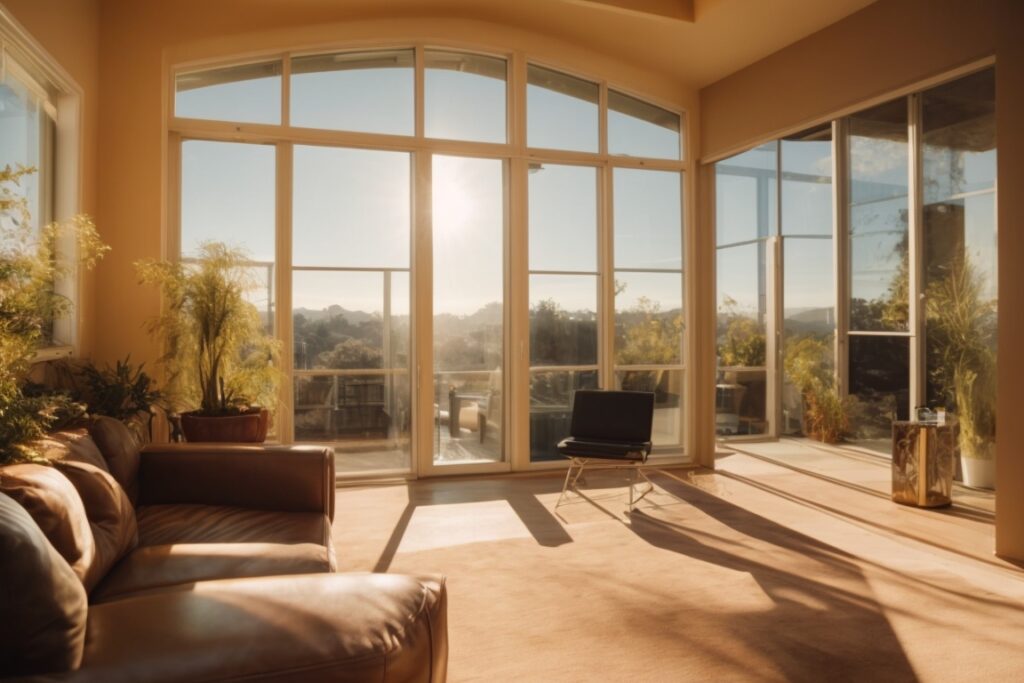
(816, 320)
(354, 317)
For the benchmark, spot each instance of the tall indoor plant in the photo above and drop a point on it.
(219, 361)
(962, 346)
(30, 266)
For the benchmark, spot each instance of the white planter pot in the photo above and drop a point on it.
(979, 472)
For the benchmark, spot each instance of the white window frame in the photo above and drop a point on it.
(517, 157)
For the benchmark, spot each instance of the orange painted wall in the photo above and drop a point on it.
(69, 31)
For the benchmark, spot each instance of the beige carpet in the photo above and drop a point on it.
(702, 583)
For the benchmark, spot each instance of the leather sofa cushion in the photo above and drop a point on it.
(338, 627)
(72, 444)
(52, 501)
(42, 600)
(120, 447)
(110, 513)
(165, 524)
(160, 567)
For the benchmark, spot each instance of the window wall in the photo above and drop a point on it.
(449, 247)
(882, 303)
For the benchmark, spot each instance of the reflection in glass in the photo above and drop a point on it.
(878, 216)
(465, 96)
(667, 386)
(551, 394)
(563, 218)
(959, 174)
(637, 128)
(561, 111)
(468, 235)
(746, 196)
(370, 92)
(648, 318)
(807, 183)
(880, 382)
(648, 219)
(250, 93)
(351, 207)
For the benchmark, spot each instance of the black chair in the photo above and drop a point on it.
(613, 428)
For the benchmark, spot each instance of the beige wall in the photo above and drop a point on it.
(884, 48)
(69, 31)
(1009, 116)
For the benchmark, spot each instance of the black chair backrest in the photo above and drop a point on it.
(613, 415)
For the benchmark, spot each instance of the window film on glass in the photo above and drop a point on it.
(959, 186)
(351, 228)
(228, 192)
(563, 298)
(648, 283)
(879, 218)
(640, 129)
(465, 96)
(369, 92)
(469, 293)
(561, 111)
(808, 284)
(249, 93)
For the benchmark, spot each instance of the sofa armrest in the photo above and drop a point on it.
(285, 478)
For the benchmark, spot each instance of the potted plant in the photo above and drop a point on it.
(30, 264)
(962, 349)
(220, 364)
(826, 414)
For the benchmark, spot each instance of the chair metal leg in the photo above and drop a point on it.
(570, 479)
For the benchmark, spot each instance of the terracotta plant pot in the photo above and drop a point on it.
(250, 427)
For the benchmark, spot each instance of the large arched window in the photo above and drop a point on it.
(453, 243)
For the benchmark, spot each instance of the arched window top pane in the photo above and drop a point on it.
(465, 96)
(366, 92)
(561, 111)
(250, 93)
(639, 129)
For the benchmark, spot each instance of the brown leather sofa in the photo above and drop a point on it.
(196, 562)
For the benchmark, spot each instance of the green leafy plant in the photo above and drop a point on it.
(742, 343)
(962, 341)
(30, 265)
(122, 392)
(217, 356)
(826, 414)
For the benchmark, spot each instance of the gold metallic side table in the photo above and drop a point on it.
(923, 460)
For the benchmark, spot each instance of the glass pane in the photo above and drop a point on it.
(563, 319)
(551, 394)
(351, 207)
(667, 386)
(350, 323)
(746, 196)
(807, 183)
(465, 96)
(639, 129)
(742, 306)
(648, 219)
(370, 92)
(808, 295)
(468, 236)
(563, 218)
(879, 267)
(250, 93)
(22, 129)
(561, 111)
(228, 194)
(741, 402)
(880, 382)
(959, 171)
(648, 318)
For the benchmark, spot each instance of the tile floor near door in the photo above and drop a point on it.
(755, 572)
